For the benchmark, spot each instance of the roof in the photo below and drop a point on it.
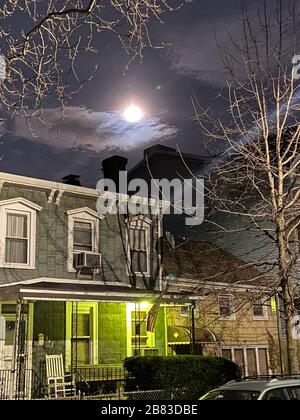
(62, 289)
(185, 162)
(202, 262)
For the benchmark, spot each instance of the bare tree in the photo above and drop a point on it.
(43, 40)
(253, 185)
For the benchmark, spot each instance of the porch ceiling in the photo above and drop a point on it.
(41, 289)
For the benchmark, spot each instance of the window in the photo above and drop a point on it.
(83, 236)
(139, 243)
(259, 310)
(252, 360)
(83, 228)
(293, 392)
(226, 306)
(275, 395)
(138, 250)
(18, 233)
(139, 328)
(82, 332)
(16, 239)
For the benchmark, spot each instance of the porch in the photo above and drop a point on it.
(94, 327)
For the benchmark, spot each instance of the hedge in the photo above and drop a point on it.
(186, 377)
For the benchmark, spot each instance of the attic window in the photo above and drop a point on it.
(139, 244)
(226, 306)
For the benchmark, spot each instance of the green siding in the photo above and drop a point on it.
(112, 332)
(52, 239)
(160, 332)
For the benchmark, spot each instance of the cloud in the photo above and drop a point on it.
(82, 128)
(199, 48)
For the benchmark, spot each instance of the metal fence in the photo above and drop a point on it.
(100, 379)
(149, 395)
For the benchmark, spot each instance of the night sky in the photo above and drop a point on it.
(162, 85)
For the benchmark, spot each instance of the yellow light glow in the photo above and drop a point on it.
(133, 114)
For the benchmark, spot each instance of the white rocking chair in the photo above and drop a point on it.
(58, 384)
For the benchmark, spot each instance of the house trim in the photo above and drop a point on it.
(19, 206)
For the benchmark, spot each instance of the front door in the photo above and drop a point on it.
(10, 325)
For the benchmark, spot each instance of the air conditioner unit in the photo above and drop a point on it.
(87, 259)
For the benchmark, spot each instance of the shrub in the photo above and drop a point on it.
(186, 377)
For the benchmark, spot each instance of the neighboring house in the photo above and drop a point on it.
(73, 281)
(233, 315)
(227, 232)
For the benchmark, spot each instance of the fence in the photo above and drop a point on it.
(6, 383)
(149, 395)
(100, 379)
(11, 387)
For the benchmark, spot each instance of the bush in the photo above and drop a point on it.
(186, 377)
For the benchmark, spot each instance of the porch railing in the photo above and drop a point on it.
(33, 386)
(95, 379)
(6, 383)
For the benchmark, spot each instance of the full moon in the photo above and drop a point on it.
(133, 114)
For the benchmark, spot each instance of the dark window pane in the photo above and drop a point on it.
(83, 236)
(251, 360)
(227, 354)
(83, 325)
(275, 395)
(225, 305)
(9, 332)
(258, 310)
(239, 358)
(263, 361)
(8, 308)
(137, 239)
(139, 262)
(294, 392)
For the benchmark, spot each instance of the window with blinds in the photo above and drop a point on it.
(16, 239)
(83, 236)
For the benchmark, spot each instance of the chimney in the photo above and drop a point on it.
(112, 166)
(72, 180)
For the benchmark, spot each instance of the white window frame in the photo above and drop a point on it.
(264, 317)
(140, 223)
(85, 215)
(250, 347)
(19, 206)
(230, 317)
(84, 308)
